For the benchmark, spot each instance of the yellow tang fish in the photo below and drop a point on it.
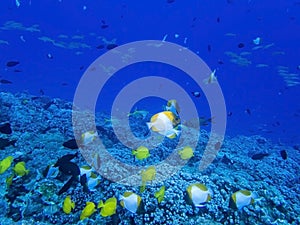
(186, 153)
(88, 210)
(20, 169)
(68, 205)
(141, 153)
(108, 208)
(160, 194)
(5, 164)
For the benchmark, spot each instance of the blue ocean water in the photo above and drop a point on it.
(47, 46)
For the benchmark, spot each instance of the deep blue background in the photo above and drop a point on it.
(275, 108)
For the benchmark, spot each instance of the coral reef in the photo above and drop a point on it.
(41, 125)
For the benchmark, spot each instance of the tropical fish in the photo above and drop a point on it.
(198, 194)
(196, 94)
(131, 201)
(9, 180)
(259, 156)
(71, 144)
(88, 178)
(68, 205)
(141, 153)
(88, 137)
(148, 174)
(172, 106)
(20, 169)
(3, 81)
(164, 123)
(283, 154)
(88, 210)
(257, 41)
(211, 79)
(186, 153)
(12, 63)
(108, 208)
(160, 194)
(67, 167)
(242, 198)
(5, 164)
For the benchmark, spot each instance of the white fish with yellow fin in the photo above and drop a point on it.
(165, 124)
(131, 201)
(198, 194)
(88, 137)
(242, 198)
(211, 79)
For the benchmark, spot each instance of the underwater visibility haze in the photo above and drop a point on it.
(149, 112)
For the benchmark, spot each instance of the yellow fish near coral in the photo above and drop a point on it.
(165, 124)
(108, 208)
(186, 153)
(242, 198)
(88, 210)
(20, 169)
(131, 201)
(9, 180)
(5, 164)
(68, 205)
(141, 153)
(148, 174)
(198, 194)
(160, 194)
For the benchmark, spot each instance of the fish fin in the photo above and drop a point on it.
(149, 125)
(100, 204)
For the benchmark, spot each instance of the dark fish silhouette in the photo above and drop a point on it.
(12, 63)
(6, 142)
(241, 45)
(259, 156)
(66, 186)
(111, 46)
(3, 81)
(83, 182)
(248, 111)
(5, 128)
(49, 56)
(104, 26)
(71, 144)
(64, 159)
(196, 94)
(69, 168)
(209, 48)
(283, 154)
